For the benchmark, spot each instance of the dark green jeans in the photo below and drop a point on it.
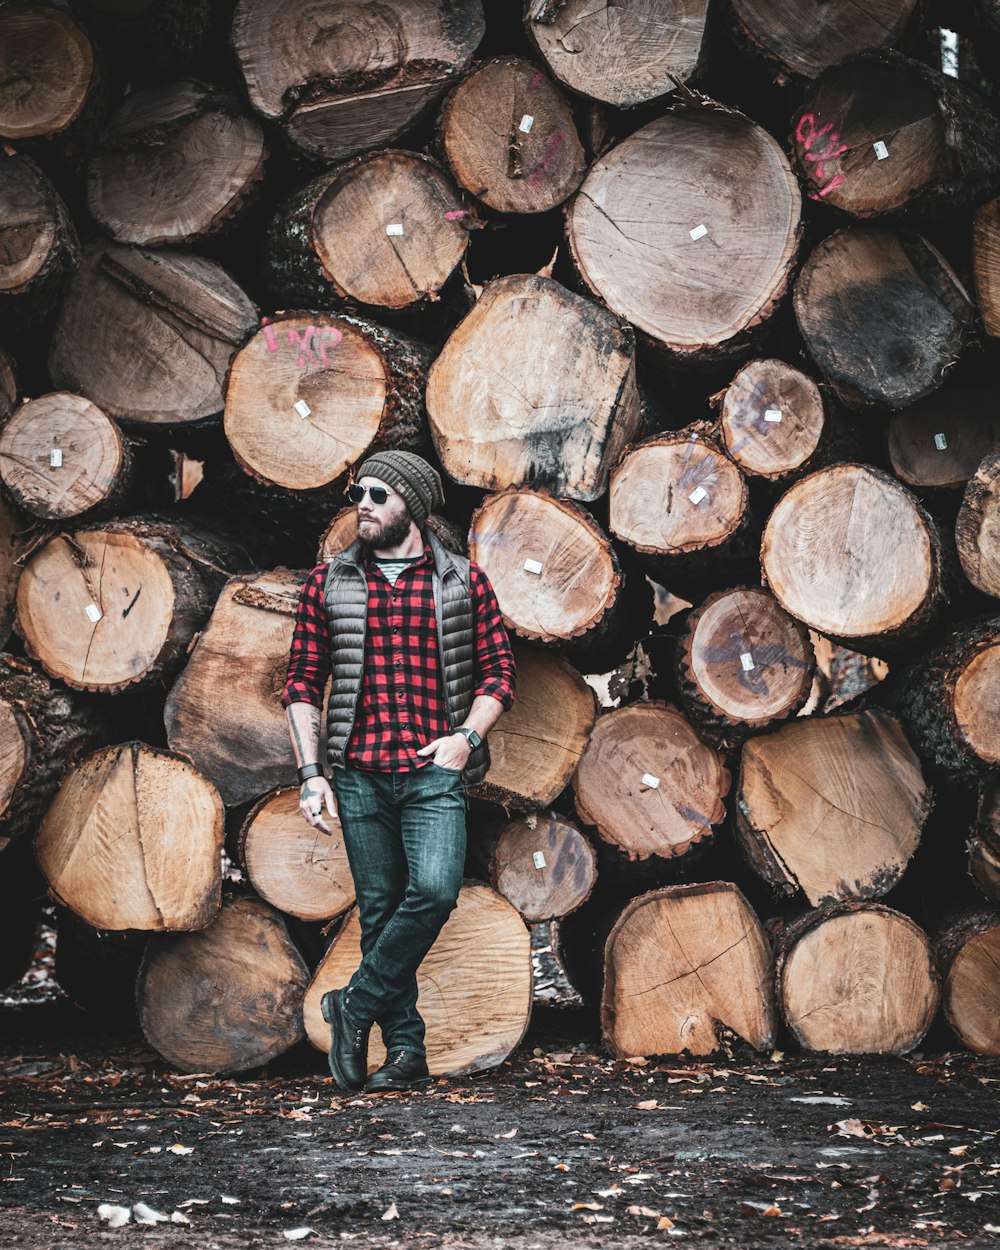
(405, 839)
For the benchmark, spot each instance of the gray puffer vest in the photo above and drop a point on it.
(346, 599)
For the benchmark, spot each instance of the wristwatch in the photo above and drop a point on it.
(473, 737)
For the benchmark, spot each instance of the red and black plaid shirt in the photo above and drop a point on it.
(401, 707)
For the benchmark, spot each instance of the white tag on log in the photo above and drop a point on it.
(303, 409)
(940, 442)
(55, 458)
(698, 494)
(538, 859)
(698, 232)
(527, 121)
(532, 566)
(395, 228)
(881, 151)
(649, 780)
(746, 659)
(94, 613)
(773, 415)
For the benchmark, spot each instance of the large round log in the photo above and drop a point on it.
(227, 998)
(384, 230)
(133, 840)
(857, 980)
(342, 78)
(649, 786)
(39, 248)
(968, 953)
(625, 52)
(187, 136)
(243, 647)
(48, 70)
(510, 139)
(940, 441)
(832, 806)
(773, 421)
(977, 529)
(119, 603)
(882, 314)
(474, 985)
(881, 132)
(61, 456)
(659, 231)
(298, 869)
(535, 386)
(683, 966)
(148, 336)
(853, 555)
(742, 664)
(312, 393)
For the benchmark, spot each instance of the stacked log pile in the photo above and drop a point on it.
(697, 308)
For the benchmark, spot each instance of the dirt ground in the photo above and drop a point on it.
(561, 1146)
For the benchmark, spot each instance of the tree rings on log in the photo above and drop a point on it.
(473, 986)
(60, 456)
(226, 999)
(773, 420)
(969, 953)
(542, 864)
(536, 386)
(39, 248)
(312, 393)
(385, 230)
(537, 744)
(857, 980)
(984, 845)
(682, 965)
(622, 53)
(851, 553)
(742, 663)
(659, 230)
(339, 80)
(510, 139)
(977, 530)
(187, 137)
(882, 314)
(47, 69)
(940, 440)
(298, 869)
(133, 840)
(648, 784)
(148, 336)
(801, 40)
(243, 647)
(831, 805)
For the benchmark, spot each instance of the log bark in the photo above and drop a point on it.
(385, 230)
(148, 336)
(538, 743)
(856, 980)
(120, 602)
(535, 386)
(339, 81)
(882, 314)
(8, 383)
(986, 265)
(881, 133)
(939, 442)
(312, 393)
(299, 870)
(189, 137)
(658, 231)
(683, 966)
(96, 969)
(133, 840)
(48, 70)
(742, 664)
(977, 529)
(39, 248)
(773, 421)
(832, 806)
(243, 647)
(624, 54)
(968, 954)
(22, 893)
(650, 787)
(62, 457)
(343, 530)
(13, 545)
(474, 985)
(509, 138)
(540, 862)
(852, 554)
(227, 998)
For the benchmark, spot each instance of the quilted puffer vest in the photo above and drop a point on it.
(346, 599)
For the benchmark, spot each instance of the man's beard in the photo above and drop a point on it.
(390, 533)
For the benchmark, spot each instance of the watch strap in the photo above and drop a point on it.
(474, 739)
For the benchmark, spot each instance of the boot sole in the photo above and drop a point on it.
(398, 1089)
(326, 1007)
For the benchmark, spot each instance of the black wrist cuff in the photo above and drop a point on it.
(309, 770)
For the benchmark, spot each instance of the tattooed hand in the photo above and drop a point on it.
(314, 794)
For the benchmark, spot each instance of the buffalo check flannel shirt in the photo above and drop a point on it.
(401, 707)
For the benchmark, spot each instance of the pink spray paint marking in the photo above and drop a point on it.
(807, 134)
(327, 336)
(456, 214)
(538, 79)
(307, 357)
(269, 335)
(555, 145)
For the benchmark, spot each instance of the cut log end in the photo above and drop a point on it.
(773, 419)
(977, 530)
(41, 95)
(543, 865)
(970, 999)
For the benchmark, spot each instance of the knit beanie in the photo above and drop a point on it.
(417, 481)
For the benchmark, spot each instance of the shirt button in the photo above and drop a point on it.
(399, 663)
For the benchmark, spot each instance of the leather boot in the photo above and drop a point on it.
(403, 1069)
(348, 1044)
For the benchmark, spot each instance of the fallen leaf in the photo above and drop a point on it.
(562, 1167)
(850, 1128)
(760, 1208)
(646, 1211)
(177, 1217)
(649, 1105)
(919, 1106)
(598, 1219)
(230, 1202)
(178, 1149)
(609, 1193)
(391, 1213)
(512, 1133)
(296, 1234)
(146, 1215)
(115, 1216)
(639, 1178)
(664, 1222)
(191, 1202)
(588, 1206)
(958, 1150)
